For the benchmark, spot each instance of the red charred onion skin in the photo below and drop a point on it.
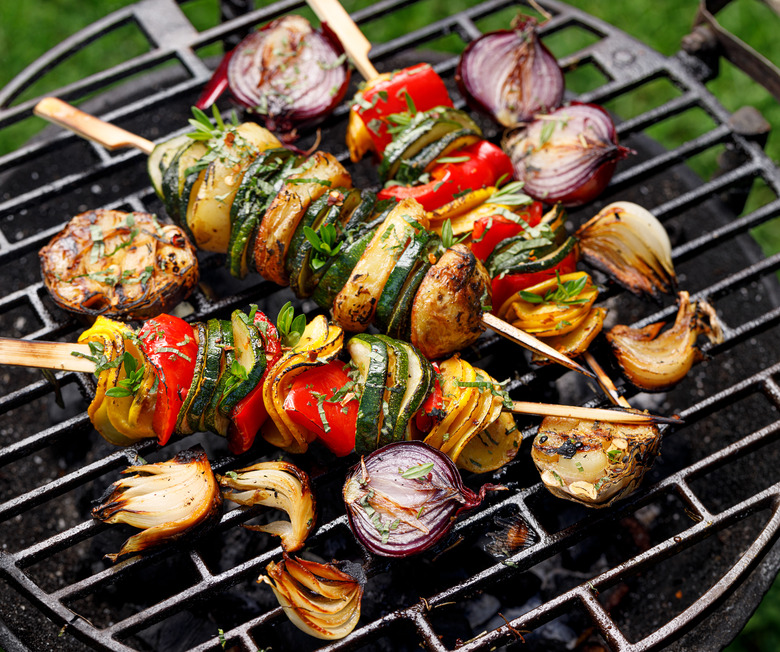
(283, 93)
(510, 75)
(435, 499)
(572, 168)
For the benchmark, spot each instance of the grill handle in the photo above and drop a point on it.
(88, 126)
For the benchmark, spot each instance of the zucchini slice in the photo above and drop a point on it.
(410, 169)
(404, 268)
(422, 131)
(250, 354)
(324, 210)
(183, 422)
(338, 273)
(395, 388)
(196, 414)
(418, 383)
(253, 196)
(399, 325)
(370, 356)
(215, 421)
(161, 158)
(177, 182)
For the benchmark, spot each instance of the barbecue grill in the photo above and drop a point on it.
(681, 564)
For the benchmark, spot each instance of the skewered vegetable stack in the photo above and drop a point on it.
(297, 220)
(235, 377)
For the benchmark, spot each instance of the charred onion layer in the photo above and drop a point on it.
(168, 501)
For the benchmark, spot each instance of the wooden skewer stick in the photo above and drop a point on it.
(59, 356)
(355, 44)
(45, 355)
(606, 382)
(594, 414)
(611, 391)
(531, 343)
(88, 126)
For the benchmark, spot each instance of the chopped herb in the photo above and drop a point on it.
(174, 351)
(447, 237)
(510, 195)
(417, 471)
(579, 467)
(453, 159)
(614, 454)
(547, 131)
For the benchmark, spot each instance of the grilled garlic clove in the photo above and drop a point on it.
(167, 500)
(626, 242)
(280, 485)
(593, 463)
(653, 360)
(319, 599)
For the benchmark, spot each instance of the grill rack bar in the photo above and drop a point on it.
(756, 165)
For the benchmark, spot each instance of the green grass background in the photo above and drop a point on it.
(28, 29)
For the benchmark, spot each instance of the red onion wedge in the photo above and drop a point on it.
(286, 73)
(566, 156)
(403, 498)
(510, 74)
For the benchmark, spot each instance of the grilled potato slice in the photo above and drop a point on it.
(447, 309)
(309, 182)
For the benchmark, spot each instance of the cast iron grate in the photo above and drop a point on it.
(638, 576)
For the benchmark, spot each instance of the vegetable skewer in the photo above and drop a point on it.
(212, 237)
(60, 356)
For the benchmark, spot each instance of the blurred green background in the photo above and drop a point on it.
(28, 29)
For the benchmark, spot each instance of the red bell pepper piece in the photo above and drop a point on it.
(250, 413)
(430, 412)
(216, 85)
(170, 346)
(389, 96)
(309, 400)
(509, 284)
(486, 164)
(489, 231)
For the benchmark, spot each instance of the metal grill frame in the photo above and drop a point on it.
(626, 65)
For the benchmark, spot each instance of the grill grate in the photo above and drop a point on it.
(638, 576)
